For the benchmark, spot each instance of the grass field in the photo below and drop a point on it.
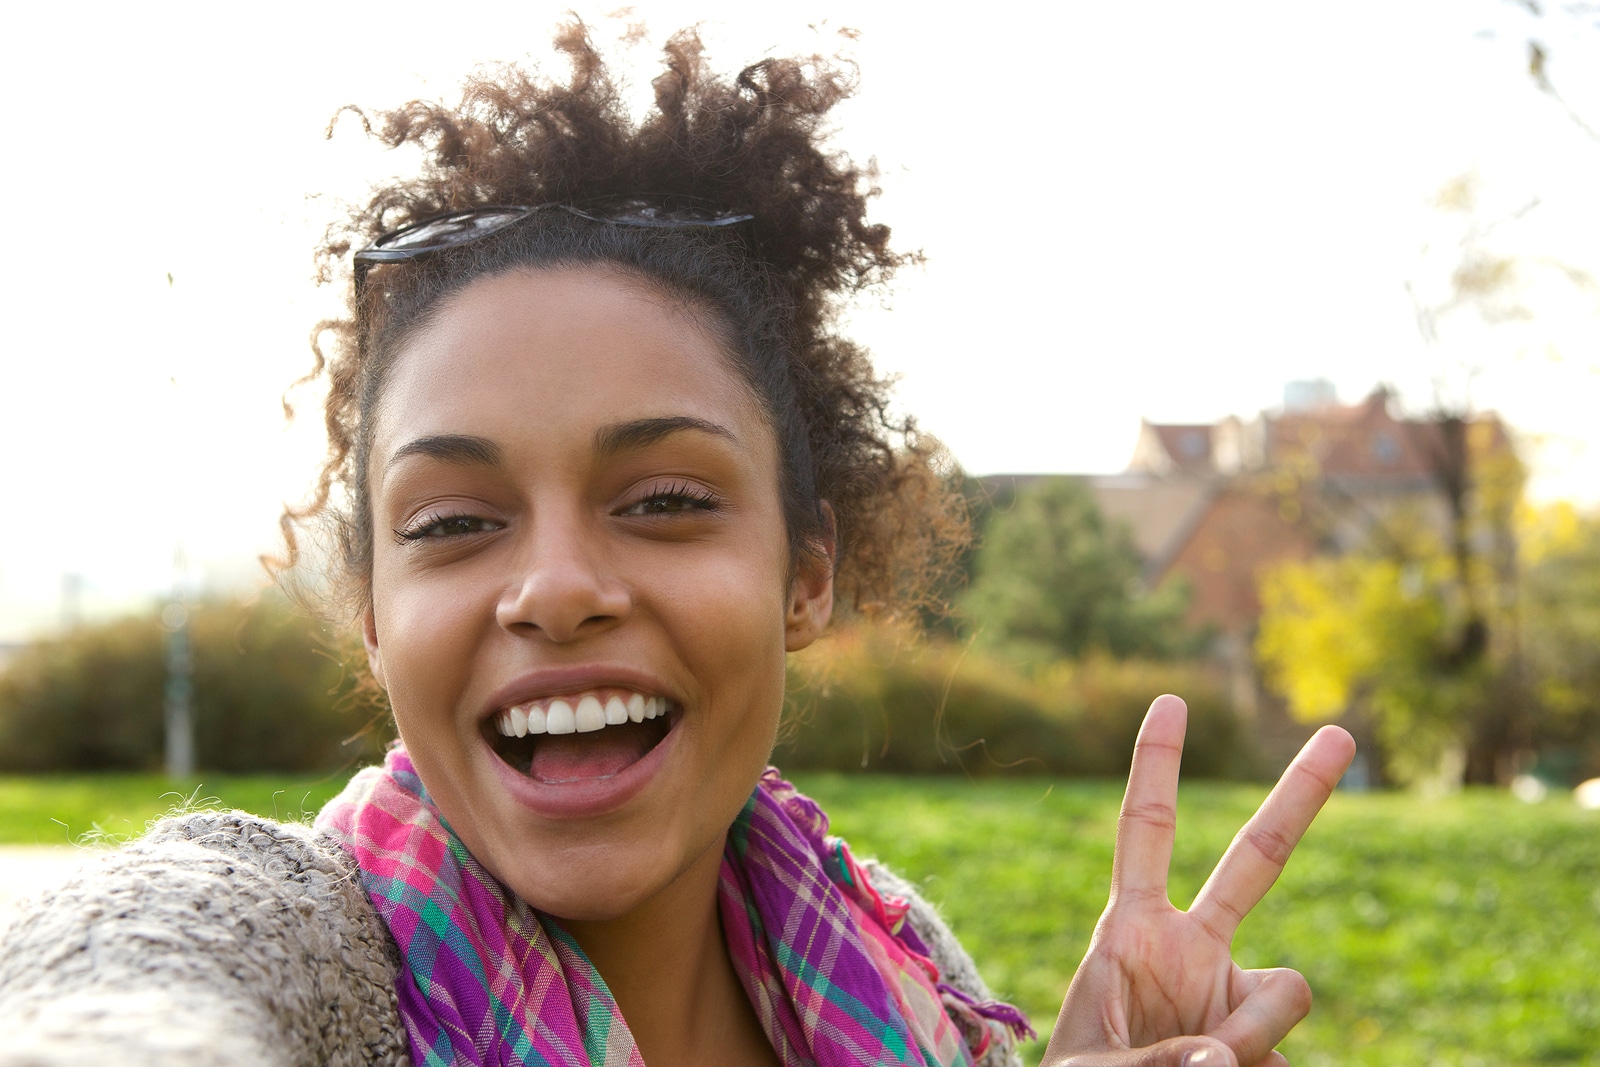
(1461, 931)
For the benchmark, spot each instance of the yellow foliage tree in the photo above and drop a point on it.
(1373, 633)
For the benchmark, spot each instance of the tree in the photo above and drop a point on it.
(1378, 635)
(1375, 634)
(1478, 479)
(1563, 19)
(1560, 617)
(1054, 578)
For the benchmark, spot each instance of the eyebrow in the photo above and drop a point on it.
(641, 433)
(469, 451)
(461, 449)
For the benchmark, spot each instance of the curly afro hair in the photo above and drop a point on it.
(772, 287)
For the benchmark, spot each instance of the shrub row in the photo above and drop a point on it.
(266, 695)
(876, 699)
(269, 695)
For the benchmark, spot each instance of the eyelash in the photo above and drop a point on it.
(433, 526)
(684, 495)
(678, 498)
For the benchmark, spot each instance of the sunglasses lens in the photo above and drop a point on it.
(673, 213)
(453, 229)
(462, 227)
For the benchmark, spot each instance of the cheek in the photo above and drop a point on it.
(424, 638)
(731, 606)
(726, 617)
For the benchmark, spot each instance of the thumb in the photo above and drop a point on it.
(1173, 1052)
(1203, 1053)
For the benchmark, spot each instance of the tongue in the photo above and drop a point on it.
(601, 754)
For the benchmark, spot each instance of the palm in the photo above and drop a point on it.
(1154, 973)
(1174, 978)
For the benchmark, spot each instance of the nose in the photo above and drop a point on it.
(564, 587)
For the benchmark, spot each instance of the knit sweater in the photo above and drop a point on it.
(221, 938)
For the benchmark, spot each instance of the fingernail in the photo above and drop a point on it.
(1202, 1057)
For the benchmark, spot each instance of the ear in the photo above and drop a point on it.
(369, 637)
(811, 594)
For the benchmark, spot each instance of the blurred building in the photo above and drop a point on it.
(1216, 504)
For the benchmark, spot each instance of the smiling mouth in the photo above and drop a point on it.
(581, 736)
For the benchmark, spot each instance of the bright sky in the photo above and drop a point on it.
(1166, 210)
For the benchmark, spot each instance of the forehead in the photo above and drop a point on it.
(541, 351)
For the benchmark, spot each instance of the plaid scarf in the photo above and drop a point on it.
(835, 974)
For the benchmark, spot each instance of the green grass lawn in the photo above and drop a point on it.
(1453, 932)
(1459, 931)
(84, 808)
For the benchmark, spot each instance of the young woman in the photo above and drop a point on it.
(598, 461)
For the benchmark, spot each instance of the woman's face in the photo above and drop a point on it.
(577, 521)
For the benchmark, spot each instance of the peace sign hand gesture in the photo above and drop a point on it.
(1158, 986)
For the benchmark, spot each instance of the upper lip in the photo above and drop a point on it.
(561, 681)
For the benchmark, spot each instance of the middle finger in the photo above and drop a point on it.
(1257, 855)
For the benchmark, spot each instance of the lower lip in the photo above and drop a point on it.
(585, 797)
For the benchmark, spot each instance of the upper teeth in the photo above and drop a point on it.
(580, 715)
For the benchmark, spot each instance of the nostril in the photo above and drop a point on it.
(562, 597)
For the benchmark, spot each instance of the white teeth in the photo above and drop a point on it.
(590, 715)
(559, 719)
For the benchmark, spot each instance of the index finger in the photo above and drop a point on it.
(1257, 855)
(1149, 817)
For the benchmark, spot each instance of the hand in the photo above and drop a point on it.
(1158, 986)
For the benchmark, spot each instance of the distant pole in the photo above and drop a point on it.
(180, 663)
(72, 584)
(180, 673)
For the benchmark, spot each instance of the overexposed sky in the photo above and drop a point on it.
(1164, 210)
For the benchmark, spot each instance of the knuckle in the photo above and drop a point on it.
(1323, 783)
(1216, 933)
(1229, 909)
(1273, 846)
(1293, 989)
(1159, 816)
(1134, 896)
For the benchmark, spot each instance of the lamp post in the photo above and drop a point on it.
(180, 673)
(179, 717)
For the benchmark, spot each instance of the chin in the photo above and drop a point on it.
(597, 886)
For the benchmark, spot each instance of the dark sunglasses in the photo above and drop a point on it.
(437, 233)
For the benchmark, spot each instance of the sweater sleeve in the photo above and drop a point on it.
(217, 938)
(955, 966)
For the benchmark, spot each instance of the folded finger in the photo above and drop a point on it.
(1274, 1002)
(1149, 815)
(1257, 855)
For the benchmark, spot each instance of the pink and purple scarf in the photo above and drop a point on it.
(836, 974)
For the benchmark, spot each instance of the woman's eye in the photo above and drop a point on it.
(443, 526)
(676, 499)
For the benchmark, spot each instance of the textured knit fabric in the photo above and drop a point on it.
(217, 940)
(489, 980)
(221, 938)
